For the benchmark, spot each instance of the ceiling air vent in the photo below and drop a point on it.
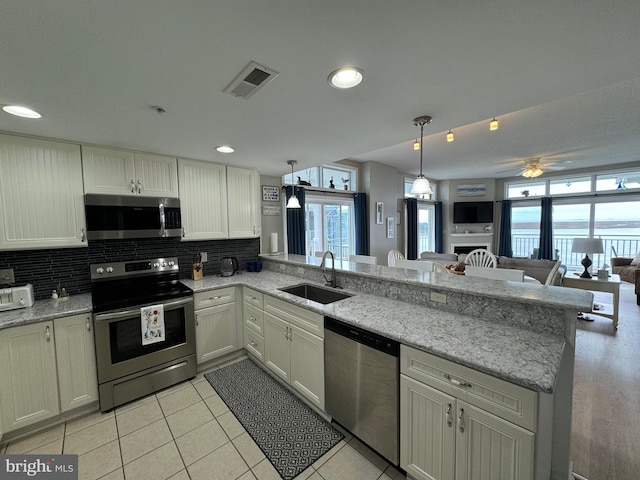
(250, 80)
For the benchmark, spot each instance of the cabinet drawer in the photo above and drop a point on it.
(252, 297)
(309, 321)
(253, 318)
(506, 400)
(254, 343)
(214, 297)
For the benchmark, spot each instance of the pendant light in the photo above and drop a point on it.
(450, 136)
(421, 184)
(493, 124)
(293, 200)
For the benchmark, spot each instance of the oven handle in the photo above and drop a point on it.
(102, 317)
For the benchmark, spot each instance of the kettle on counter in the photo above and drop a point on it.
(228, 266)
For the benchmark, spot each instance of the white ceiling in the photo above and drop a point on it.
(563, 78)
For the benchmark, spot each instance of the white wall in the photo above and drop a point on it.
(272, 223)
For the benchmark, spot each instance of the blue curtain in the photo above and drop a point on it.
(412, 228)
(546, 229)
(439, 244)
(295, 223)
(504, 242)
(362, 223)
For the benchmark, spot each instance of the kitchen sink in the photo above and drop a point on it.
(315, 293)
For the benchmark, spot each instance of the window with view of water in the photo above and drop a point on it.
(426, 233)
(525, 230)
(570, 221)
(618, 224)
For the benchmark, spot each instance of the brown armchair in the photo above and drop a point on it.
(628, 273)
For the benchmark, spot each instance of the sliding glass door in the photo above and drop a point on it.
(330, 226)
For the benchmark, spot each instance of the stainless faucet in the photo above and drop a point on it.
(332, 282)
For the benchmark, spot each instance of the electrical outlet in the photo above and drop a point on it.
(439, 297)
(282, 267)
(6, 276)
(300, 271)
(204, 257)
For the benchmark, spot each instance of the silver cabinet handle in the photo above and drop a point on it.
(461, 420)
(88, 323)
(47, 334)
(83, 235)
(252, 318)
(139, 187)
(253, 344)
(456, 382)
(197, 322)
(184, 231)
(132, 186)
(251, 297)
(449, 421)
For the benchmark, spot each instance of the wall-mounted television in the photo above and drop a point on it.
(473, 212)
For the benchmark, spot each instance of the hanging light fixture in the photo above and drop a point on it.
(416, 145)
(493, 124)
(293, 200)
(450, 136)
(421, 184)
(532, 171)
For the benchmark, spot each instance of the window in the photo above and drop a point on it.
(618, 225)
(525, 189)
(569, 221)
(320, 177)
(330, 225)
(570, 185)
(525, 230)
(426, 232)
(618, 181)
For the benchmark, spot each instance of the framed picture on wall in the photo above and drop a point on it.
(391, 226)
(270, 193)
(379, 213)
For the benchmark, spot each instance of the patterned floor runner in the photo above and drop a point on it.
(291, 435)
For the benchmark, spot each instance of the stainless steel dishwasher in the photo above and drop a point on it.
(361, 385)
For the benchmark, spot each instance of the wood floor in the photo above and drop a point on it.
(606, 399)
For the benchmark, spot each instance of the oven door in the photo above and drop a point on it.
(118, 336)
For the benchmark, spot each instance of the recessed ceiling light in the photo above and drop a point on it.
(21, 111)
(225, 149)
(347, 77)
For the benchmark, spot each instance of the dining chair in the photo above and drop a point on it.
(481, 257)
(415, 264)
(363, 259)
(507, 274)
(552, 274)
(393, 256)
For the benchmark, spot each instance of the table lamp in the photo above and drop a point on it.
(587, 246)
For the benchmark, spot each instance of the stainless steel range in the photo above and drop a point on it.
(144, 326)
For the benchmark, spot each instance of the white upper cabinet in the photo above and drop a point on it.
(203, 200)
(118, 172)
(41, 203)
(243, 203)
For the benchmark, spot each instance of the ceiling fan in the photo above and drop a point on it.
(533, 168)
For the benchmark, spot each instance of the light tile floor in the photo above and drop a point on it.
(185, 432)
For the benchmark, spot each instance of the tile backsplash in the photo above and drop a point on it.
(70, 266)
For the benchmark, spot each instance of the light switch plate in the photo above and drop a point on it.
(6, 276)
(439, 297)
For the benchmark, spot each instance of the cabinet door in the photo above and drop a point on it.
(242, 192)
(427, 431)
(28, 380)
(215, 331)
(307, 365)
(489, 448)
(75, 355)
(156, 175)
(277, 351)
(108, 171)
(203, 200)
(41, 203)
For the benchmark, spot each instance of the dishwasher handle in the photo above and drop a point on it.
(370, 339)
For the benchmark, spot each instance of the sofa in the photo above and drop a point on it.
(628, 273)
(439, 257)
(538, 269)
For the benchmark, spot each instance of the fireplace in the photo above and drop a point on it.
(464, 248)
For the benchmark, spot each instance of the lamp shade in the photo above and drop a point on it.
(587, 245)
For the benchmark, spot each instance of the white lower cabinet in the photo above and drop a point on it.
(253, 322)
(294, 348)
(446, 435)
(76, 361)
(216, 324)
(28, 377)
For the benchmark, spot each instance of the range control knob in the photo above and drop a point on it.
(156, 265)
(99, 270)
(109, 269)
(22, 302)
(171, 263)
(164, 264)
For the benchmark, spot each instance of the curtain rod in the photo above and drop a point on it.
(582, 195)
(325, 191)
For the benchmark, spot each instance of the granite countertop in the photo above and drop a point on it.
(520, 356)
(44, 310)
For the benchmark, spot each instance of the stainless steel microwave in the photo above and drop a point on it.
(120, 216)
